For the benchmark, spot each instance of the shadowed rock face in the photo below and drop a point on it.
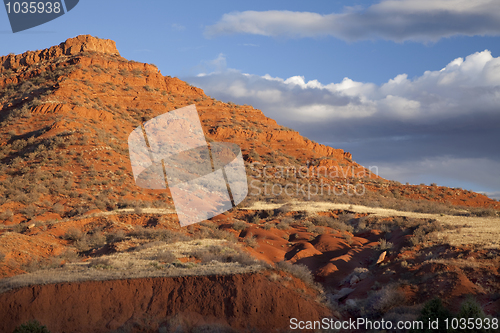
(241, 301)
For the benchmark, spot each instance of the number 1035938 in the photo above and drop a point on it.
(33, 7)
(472, 323)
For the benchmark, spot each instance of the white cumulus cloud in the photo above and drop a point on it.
(463, 86)
(453, 112)
(397, 20)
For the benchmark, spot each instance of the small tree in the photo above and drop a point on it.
(432, 310)
(471, 309)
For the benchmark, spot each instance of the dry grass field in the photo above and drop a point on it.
(483, 232)
(155, 259)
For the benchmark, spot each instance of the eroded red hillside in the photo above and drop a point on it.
(67, 112)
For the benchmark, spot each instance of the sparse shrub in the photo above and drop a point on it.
(69, 255)
(58, 208)
(123, 72)
(97, 239)
(166, 236)
(384, 245)
(346, 218)
(339, 225)
(19, 227)
(31, 326)
(116, 237)
(166, 257)
(101, 204)
(433, 226)
(362, 224)
(149, 245)
(254, 155)
(386, 298)
(6, 215)
(73, 234)
(251, 241)
(269, 226)
(239, 225)
(224, 254)
(156, 203)
(322, 220)
(418, 236)
(283, 225)
(137, 72)
(255, 219)
(214, 233)
(298, 270)
(29, 211)
(100, 263)
(209, 225)
(2, 257)
(484, 212)
(318, 230)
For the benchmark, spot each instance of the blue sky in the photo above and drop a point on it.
(411, 86)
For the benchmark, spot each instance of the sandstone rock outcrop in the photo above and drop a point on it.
(82, 43)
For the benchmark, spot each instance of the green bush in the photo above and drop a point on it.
(432, 310)
(32, 326)
(471, 309)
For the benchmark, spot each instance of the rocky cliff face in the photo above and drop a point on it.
(72, 46)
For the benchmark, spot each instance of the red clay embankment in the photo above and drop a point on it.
(143, 305)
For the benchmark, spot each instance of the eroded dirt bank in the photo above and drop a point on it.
(144, 305)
